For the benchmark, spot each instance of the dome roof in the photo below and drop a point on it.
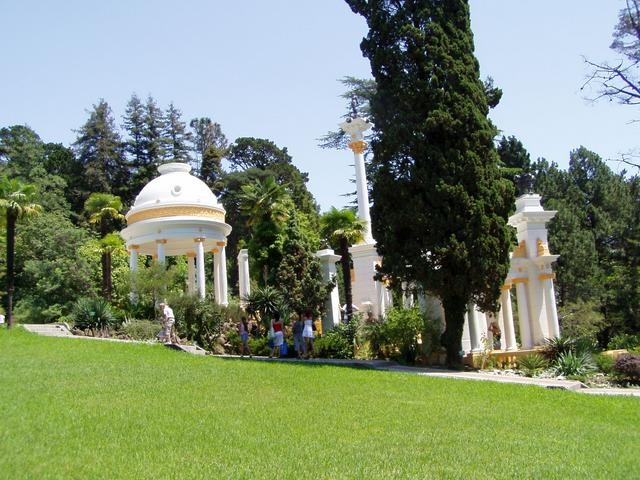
(175, 186)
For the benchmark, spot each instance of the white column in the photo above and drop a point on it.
(244, 281)
(507, 319)
(356, 128)
(133, 267)
(200, 266)
(526, 334)
(474, 328)
(223, 276)
(216, 275)
(191, 274)
(550, 302)
(331, 315)
(160, 250)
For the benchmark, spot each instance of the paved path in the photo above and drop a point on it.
(386, 366)
(61, 330)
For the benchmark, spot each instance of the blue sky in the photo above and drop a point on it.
(270, 68)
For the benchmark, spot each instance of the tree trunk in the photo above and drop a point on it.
(11, 251)
(346, 276)
(105, 279)
(454, 309)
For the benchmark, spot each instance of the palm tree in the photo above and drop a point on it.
(102, 208)
(264, 200)
(342, 228)
(16, 200)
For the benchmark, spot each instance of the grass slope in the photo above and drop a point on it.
(89, 409)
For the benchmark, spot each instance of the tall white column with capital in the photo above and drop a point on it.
(507, 319)
(216, 275)
(550, 303)
(223, 275)
(200, 266)
(244, 281)
(526, 332)
(356, 128)
(474, 328)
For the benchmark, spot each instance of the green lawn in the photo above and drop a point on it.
(85, 409)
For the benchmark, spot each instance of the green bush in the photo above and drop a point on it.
(554, 347)
(140, 329)
(627, 368)
(624, 341)
(259, 346)
(572, 364)
(93, 315)
(199, 320)
(333, 345)
(604, 363)
(532, 364)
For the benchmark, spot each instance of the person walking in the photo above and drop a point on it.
(278, 335)
(298, 341)
(168, 322)
(307, 333)
(243, 330)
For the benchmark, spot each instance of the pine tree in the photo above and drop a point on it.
(210, 147)
(153, 134)
(440, 208)
(99, 151)
(135, 145)
(176, 137)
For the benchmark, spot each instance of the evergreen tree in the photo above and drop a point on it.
(177, 139)
(99, 151)
(21, 149)
(136, 145)
(153, 138)
(299, 275)
(210, 147)
(434, 152)
(515, 163)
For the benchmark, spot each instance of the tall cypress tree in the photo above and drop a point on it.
(440, 207)
(135, 145)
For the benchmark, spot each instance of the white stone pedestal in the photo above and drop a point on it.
(365, 289)
(331, 315)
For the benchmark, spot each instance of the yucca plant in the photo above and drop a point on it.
(574, 364)
(265, 302)
(532, 364)
(554, 347)
(94, 315)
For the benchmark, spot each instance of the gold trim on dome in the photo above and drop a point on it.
(543, 248)
(358, 146)
(520, 251)
(176, 211)
(547, 276)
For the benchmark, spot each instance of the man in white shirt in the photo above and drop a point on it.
(168, 321)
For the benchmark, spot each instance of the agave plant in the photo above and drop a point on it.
(265, 302)
(533, 364)
(93, 314)
(574, 364)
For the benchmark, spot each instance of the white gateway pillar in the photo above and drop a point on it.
(244, 281)
(331, 315)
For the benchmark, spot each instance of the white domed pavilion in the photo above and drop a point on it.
(177, 214)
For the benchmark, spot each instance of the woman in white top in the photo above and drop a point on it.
(307, 333)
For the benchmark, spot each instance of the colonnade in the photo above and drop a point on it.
(196, 278)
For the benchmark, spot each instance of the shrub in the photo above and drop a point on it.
(627, 368)
(532, 364)
(624, 341)
(554, 347)
(140, 329)
(572, 364)
(333, 345)
(94, 315)
(259, 346)
(199, 320)
(604, 363)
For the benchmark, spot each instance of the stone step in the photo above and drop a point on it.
(48, 329)
(192, 349)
